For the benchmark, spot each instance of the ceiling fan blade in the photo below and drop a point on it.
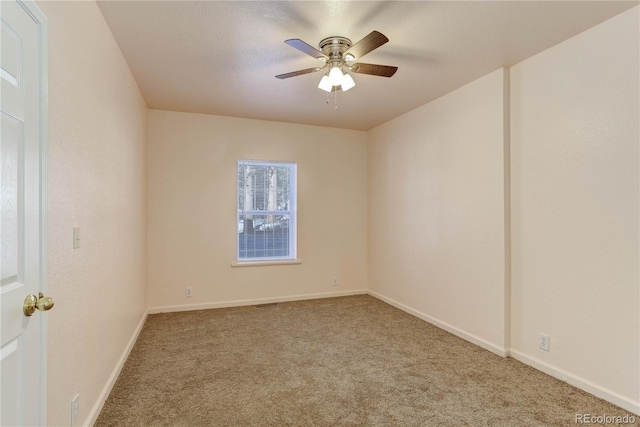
(374, 69)
(305, 48)
(370, 42)
(297, 73)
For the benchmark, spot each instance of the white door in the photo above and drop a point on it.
(23, 213)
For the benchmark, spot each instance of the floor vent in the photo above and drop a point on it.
(271, 304)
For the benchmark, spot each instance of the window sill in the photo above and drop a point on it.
(266, 263)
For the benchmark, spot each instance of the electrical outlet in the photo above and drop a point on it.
(187, 292)
(74, 409)
(335, 281)
(544, 341)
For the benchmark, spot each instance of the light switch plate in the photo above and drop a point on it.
(76, 237)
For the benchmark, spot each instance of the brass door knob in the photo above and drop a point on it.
(40, 302)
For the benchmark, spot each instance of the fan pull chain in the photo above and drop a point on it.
(335, 101)
(327, 97)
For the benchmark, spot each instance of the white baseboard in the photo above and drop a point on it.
(578, 382)
(97, 407)
(500, 351)
(240, 303)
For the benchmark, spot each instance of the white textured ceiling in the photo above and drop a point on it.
(220, 57)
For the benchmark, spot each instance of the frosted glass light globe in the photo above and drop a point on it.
(347, 82)
(324, 84)
(335, 76)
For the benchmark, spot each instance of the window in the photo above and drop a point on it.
(266, 211)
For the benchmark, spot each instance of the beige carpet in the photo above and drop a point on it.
(352, 361)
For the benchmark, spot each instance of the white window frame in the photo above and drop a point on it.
(293, 214)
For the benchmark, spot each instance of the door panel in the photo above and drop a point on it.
(22, 213)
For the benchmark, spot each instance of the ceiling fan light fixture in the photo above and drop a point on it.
(334, 52)
(324, 84)
(347, 82)
(335, 76)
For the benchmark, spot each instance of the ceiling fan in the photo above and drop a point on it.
(337, 52)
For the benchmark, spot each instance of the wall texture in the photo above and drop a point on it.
(436, 211)
(414, 209)
(575, 209)
(97, 134)
(191, 216)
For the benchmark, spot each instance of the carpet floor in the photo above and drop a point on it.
(350, 361)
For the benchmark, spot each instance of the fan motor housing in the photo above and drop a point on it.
(334, 46)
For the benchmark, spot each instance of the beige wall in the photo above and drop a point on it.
(436, 211)
(97, 126)
(575, 208)
(191, 216)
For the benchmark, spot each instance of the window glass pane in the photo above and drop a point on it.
(259, 238)
(265, 187)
